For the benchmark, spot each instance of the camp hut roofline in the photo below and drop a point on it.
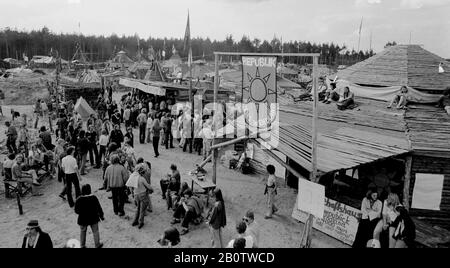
(402, 65)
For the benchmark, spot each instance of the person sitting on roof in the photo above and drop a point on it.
(323, 89)
(401, 99)
(444, 101)
(331, 94)
(346, 100)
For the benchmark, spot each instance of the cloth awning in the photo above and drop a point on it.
(143, 87)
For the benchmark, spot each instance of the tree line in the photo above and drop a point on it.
(15, 44)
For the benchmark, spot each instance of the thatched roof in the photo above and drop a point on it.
(409, 65)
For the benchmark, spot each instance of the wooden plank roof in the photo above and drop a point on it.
(400, 65)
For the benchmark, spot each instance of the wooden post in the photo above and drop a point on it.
(216, 90)
(407, 182)
(306, 239)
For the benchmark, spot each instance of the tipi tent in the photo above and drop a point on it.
(90, 76)
(382, 76)
(83, 108)
(121, 60)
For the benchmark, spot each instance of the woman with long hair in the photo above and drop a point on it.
(371, 213)
(405, 231)
(217, 219)
(388, 218)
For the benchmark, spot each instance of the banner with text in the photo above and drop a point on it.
(339, 221)
(259, 80)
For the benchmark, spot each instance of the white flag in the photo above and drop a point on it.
(441, 68)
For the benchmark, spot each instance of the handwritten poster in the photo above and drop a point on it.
(339, 221)
(428, 191)
(311, 198)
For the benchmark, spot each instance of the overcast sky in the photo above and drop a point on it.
(427, 21)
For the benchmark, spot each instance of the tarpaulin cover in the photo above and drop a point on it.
(387, 93)
(145, 88)
(83, 108)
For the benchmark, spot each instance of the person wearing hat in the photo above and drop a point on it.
(35, 237)
(90, 213)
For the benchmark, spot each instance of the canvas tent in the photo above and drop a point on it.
(121, 60)
(83, 108)
(381, 76)
(90, 76)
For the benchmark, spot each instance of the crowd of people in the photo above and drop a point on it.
(100, 141)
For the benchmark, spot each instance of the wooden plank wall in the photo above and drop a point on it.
(433, 165)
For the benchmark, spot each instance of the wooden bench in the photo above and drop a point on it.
(431, 236)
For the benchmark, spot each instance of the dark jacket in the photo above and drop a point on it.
(116, 136)
(83, 145)
(44, 241)
(89, 210)
(217, 217)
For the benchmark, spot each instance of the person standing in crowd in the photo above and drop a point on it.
(127, 116)
(106, 126)
(405, 231)
(24, 138)
(46, 138)
(371, 209)
(142, 120)
(103, 143)
(82, 149)
(11, 137)
(116, 136)
(60, 153)
(116, 118)
(130, 137)
(187, 132)
(35, 237)
(62, 125)
(156, 131)
(241, 228)
(252, 227)
(217, 219)
(90, 213)
(93, 150)
(72, 175)
(271, 192)
(141, 194)
(149, 126)
(116, 177)
(168, 137)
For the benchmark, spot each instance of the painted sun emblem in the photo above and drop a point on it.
(258, 89)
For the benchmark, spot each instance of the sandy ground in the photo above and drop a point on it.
(241, 192)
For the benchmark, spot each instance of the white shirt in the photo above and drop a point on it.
(103, 140)
(389, 212)
(271, 180)
(69, 165)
